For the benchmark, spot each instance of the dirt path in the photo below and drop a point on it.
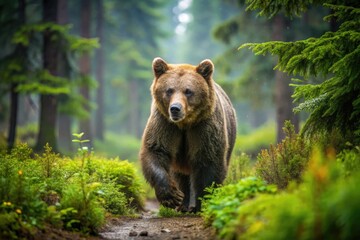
(151, 227)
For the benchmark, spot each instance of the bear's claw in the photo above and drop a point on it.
(170, 198)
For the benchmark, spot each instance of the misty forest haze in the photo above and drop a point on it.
(103, 75)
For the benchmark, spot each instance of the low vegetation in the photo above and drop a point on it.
(317, 197)
(68, 193)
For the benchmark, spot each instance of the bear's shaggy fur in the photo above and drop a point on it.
(189, 136)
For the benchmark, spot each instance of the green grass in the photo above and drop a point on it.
(122, 146)
(256, 140)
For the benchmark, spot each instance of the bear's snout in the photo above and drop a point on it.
(176, 113)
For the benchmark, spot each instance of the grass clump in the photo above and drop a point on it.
(169, 212)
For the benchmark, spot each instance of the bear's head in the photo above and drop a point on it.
(183, 93)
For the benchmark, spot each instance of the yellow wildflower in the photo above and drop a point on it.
(18, 211)
(20, 172)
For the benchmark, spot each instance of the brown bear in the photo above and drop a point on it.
(189, 136)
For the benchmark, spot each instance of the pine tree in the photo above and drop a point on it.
(334, 104)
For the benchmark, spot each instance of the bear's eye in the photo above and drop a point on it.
(188, 92)
(169, 91)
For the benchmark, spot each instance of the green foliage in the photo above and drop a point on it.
(125, 146)
(324, 206)
(239, 168)
(68, 193)
(273, 7)
(88, 215)
(169, 212)
(21, 207)
(124, 177)
(220, 205)
(284, 163)
(350, 161)
(334, 103)
(114, 199)
(257, 139)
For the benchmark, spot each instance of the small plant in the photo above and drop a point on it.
(50, 174)
(285, 162)
(168, 212)
(80, 195)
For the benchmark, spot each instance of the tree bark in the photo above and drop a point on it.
(14, 95)
(283, 101)
(85, 124)
(99, 129)
(64, 125)
(48, 102)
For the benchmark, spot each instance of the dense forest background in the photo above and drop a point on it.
(74, 100)
(85, 66)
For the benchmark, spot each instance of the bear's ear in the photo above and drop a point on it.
(159, 67)
(205, 69)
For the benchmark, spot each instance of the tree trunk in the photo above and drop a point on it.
(99, 128)
(64, 126)
(283, 101)
(85, 124)
(14, 96)
(48, 102)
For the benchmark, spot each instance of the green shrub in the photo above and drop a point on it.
(123, 175)
(284, 163)
(114, 200)
(350, 160)
(221, 205)
(239, 168)
(79, 190)
(21, 208)
(89, 215)
(324, 206)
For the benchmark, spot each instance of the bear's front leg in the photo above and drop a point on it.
(205, 176)
(156, 171)
(183, 182)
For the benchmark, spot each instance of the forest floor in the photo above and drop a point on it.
(150, 226)
(146, 226)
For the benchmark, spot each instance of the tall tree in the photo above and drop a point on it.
(64, 119)
(283, 92)
(85, 15)
(334, 104)
(135, 43)
(20, 52)
(48, 102)
(99, 116)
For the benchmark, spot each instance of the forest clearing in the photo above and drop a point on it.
(254, 127)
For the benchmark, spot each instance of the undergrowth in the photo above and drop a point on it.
(69, 193)
(320, 201)
(220, 205)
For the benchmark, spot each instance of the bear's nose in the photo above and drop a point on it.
(175, 108)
